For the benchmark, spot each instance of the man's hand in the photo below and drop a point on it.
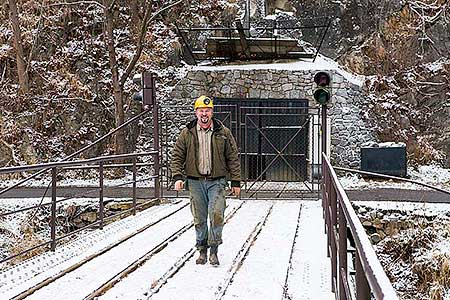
(179, 184)
(235, 191)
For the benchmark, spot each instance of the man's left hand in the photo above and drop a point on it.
(235, 191)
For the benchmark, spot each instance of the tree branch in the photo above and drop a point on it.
(35, 42)
(140, 44)
(111, 6)
(76, 3)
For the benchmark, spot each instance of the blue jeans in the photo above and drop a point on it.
(207, 199)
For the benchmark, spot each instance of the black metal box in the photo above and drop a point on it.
(384, 160)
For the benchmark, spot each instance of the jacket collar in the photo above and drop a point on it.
(217, 125)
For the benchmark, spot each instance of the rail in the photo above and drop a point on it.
(55, 167)
(87, 147)
(150, 106)
(393, 178)
(339, 214)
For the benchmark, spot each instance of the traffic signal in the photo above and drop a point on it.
(146, 81)
(137, 79)
(322, 94)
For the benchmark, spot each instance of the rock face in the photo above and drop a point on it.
(404, 46)
(6, 153)
(412, 248)
(412, 107)
(390, 32)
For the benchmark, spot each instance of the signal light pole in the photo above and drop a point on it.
(147, 95)
(322, 96)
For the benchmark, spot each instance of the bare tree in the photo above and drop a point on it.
(117, 87)
(119, 82)
(135, 15)
(21, 64)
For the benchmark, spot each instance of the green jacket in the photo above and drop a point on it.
(225, 159)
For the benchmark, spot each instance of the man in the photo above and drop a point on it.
(206, 153)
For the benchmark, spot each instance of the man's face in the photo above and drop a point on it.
(204, 115)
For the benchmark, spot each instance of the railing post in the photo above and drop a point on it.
(362, 286)
(327, 192)
(333, 229)
(53, 212)
(156, 147)
(324, 129)
(101, 204)
(134, 186)
(149, 95)
(342, 251)
(324, 198)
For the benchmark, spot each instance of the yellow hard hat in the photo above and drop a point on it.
(203, 102)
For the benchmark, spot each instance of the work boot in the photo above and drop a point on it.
(213, 259)
(201, 260)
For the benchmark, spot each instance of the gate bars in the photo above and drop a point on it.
(339, 213)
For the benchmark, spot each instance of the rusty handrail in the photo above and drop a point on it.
(79, 151)
(150, 104)
(369, 272)
(72, 163)
(61, 165)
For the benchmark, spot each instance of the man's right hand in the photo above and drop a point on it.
(179, 184)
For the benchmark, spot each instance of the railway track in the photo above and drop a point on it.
(38, 291)
(162, 264)
(74, 267)
(290, 265)
(139, 262)
(240, 257)
(157, 285)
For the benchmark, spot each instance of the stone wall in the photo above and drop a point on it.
(348, 130)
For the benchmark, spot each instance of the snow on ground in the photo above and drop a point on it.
(432, 175)
(415, 245)
(20, 277)
(310, 276)
(201, 282)
(412, 208)
(268, 258)
(265, 255)
(78, 284)
(143, 181)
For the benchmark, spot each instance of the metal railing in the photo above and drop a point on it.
(151, 107)
(55, 167)
(370, 277)
(195, 40)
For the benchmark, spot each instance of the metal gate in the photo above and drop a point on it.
(278, 141)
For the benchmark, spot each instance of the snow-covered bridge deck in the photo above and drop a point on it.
(271, 250)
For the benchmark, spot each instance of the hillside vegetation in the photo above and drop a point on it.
(76, 92)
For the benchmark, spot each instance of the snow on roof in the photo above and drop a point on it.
(321, 63)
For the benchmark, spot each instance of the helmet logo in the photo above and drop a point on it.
(203, 102)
